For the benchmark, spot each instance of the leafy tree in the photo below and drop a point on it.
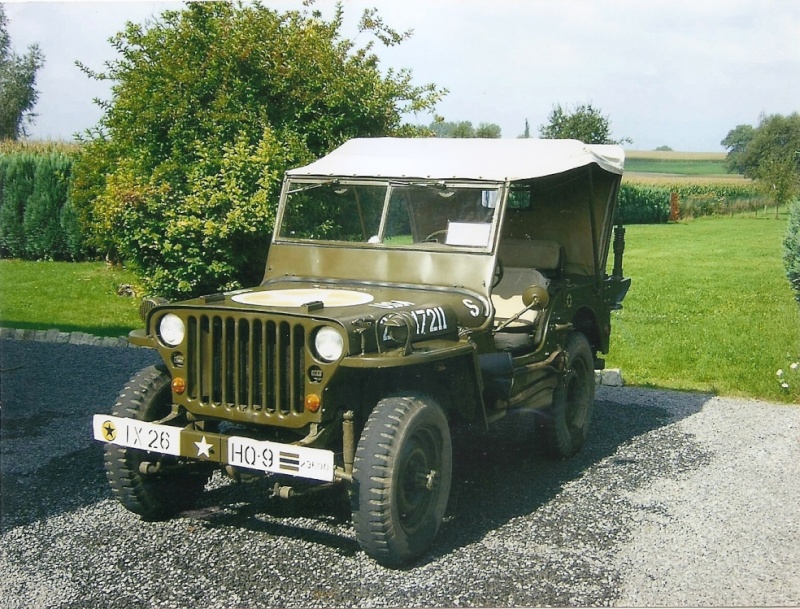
(586, 123)
(663, 149)
(464, 129)
(769, 154)
(18, 94)
(527, 132)
(210, 105)
(736, 142)
(488, 130)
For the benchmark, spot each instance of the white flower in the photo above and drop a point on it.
(794, 366)
(779, 372)
(785, 385)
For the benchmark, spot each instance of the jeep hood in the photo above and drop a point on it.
(343, 302)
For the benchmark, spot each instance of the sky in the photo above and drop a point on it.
(671, 73)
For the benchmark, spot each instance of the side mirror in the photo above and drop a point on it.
(535, 297)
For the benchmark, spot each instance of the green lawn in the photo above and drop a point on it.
(709, 309)
(70, 296)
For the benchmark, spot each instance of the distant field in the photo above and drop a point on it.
(663, 178)
(676, 163)
(674, 155)
(37, 147)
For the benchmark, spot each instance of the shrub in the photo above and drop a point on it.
(44, 235)
(211, 239)
(18, 172)
(210, 105)
(74, 240)
(791, 249)
(37, 220)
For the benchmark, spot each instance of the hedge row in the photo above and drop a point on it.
(37, 221)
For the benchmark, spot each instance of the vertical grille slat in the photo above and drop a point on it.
(246, 365)
(250, 370)
(263, 368)
(280, 367)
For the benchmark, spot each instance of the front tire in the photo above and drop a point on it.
(565, 425)
(402, 474)
(157, 496)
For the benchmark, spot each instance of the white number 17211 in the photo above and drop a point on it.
(430, 320)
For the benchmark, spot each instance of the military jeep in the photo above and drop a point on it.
(413, 287)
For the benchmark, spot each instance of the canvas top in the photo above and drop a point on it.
(497, 160)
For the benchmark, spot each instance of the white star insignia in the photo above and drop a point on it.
(203, 448)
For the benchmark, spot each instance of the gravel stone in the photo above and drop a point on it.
(676, 499)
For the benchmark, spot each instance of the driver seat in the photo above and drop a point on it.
(507, 295)
(523, 260)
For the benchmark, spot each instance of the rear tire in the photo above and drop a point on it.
(148, 397)
(402, 474)
(565, 425)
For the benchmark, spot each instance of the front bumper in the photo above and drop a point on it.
(237, 451)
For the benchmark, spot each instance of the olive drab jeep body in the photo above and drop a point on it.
(412, 287)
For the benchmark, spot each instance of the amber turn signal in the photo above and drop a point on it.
(178, 385)
(313, 402)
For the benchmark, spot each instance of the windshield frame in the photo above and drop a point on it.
(295, 184)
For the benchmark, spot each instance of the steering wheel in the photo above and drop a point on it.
(498, 274)
(434, 236)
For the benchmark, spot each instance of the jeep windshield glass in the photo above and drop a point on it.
(413, 214)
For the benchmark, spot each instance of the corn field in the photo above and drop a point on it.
(645, 199)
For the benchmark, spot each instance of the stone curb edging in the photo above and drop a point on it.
(609, 378)
(57, 336)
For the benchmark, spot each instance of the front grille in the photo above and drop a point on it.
(246, 364)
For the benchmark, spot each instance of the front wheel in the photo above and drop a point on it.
(175, 487)
(565, 425)
(401, 475)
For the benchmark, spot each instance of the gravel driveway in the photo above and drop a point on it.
(677, 499)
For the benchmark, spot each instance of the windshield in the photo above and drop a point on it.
(392, 214)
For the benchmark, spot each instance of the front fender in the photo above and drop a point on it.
(140, 338)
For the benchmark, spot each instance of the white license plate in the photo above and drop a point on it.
(281, 458)
(137, 434)
(270, 457)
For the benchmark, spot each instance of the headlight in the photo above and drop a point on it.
(329, 344)
(171, 329)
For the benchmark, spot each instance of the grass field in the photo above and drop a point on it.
(676, 163)
(667, 155)
(677, 179)
(710, 309)
(70, 296)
